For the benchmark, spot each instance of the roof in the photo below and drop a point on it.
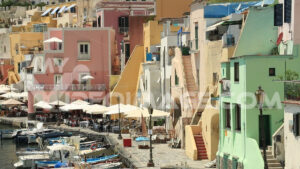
(291, 102)
(225, 9)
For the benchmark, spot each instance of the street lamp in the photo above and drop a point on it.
(260, 94)
(120, 136)
(150, 110)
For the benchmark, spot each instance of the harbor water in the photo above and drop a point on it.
(8, 151)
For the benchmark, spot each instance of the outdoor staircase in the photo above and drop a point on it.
(192, 87)
(201, 106)
(272, 162)
(202, 154)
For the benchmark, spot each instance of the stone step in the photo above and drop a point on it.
(274, 165)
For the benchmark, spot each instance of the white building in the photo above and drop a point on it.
(292, 134)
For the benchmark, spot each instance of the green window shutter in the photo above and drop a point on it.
(225, 162)
(295, 125)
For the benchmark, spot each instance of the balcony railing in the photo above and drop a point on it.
(292, 91)
(71, 87)
(123, 29)
(84, 57)
(225, 87)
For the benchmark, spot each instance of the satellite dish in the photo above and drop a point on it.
(279, 39)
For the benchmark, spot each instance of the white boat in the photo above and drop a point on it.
(106, 165)
(7, 134)
(27, 161)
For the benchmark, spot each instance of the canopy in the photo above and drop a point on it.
(46, 12)
(62, 9)
(11, 102)
(43, 105)
(53, 39)
(59, 103)
(80, 102)
(87, 77)
(95, 109)
(55, 9)
(214, 26)
(123, 109)
(71, 6)
(144, 112)
(9, 95)
(69, 107)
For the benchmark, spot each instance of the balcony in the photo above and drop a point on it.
(225, 87)
(71, 87)
(123, 30)
(292, 91)
(84, 57)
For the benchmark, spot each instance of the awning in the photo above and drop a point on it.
(46, 12)
(62, 9)
(213, 27)
(53, 12)
(71, 6)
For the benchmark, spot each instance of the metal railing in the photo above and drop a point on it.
(123, 29)
(71, 87)
(84, 57)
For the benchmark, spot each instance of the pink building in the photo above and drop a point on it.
(126, 18)
(78, 68)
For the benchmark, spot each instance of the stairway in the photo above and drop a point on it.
(190, 82)
(202, 154)
(272, 162)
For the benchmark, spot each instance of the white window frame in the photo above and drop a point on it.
(85, 55)
(55, 80)
(57, 63)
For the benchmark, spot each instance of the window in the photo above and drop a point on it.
(236, 72)
(272, 72)
(215, 78)
(227, 115)
(127, 51)
(17, 49)
(58, 80)
(58, 61)
(123, 24)
(238, 117)
(296, 124)
(176, 79)
(196, 35)
(4, 49)
(84, 51)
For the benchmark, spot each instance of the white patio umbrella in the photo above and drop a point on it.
(95, 109)
(80, 102)
(11, 102)
(10, 95)
(58, 103)
(145, 113)
(123, 109)
(43, 105)
(53, 39)
(69, 107)
(87, 77)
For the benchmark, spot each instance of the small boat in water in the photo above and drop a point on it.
(7, 134)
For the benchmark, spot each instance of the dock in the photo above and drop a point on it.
(14, 121)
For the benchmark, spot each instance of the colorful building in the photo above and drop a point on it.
(23, 44)
(59, 74)
(256, 62)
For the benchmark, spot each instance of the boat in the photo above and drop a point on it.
(26, 161)
(90, 161)
(31, 151)
(107, 165)
(99, 160)
(7, 134)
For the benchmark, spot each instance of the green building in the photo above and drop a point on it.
(254, 64)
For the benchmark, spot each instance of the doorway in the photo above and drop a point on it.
(266, 122)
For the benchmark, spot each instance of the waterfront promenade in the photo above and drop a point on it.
(163, 155)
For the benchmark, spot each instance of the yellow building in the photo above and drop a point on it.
(23, 43)
(172, 8)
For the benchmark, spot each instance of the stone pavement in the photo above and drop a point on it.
(163, 156)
